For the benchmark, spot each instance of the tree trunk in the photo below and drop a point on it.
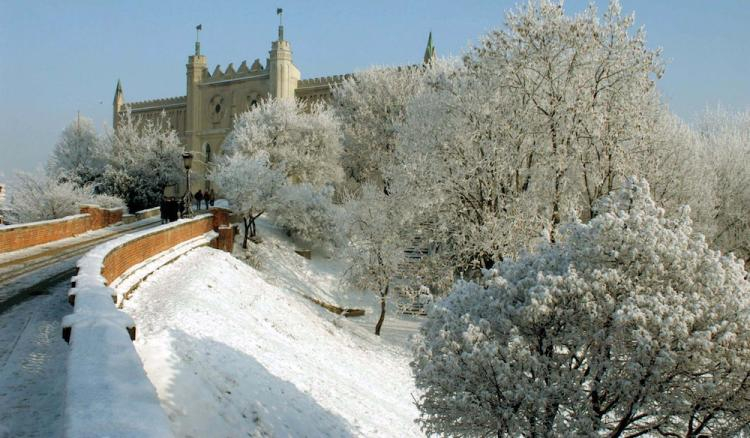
(382, 310)
(247, 222)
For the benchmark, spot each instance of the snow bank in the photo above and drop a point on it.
(107, 391)
(233, 355)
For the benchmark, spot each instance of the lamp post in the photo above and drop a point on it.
(187, 160)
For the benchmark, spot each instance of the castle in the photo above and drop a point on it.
(204, 116)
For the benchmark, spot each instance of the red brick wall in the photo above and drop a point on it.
(36, 233)
(101, 217)
(135, 251)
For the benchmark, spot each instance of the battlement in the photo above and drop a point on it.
(324, 80)
(166, 102)
(230, 73)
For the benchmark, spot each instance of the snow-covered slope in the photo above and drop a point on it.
(232, 355)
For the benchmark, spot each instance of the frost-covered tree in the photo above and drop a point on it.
(37, 196)
(679, 172)
(370, 105)
(305, 139)
(627, 325)
(144, 157)
(376, 247)
(79, 154)
(726, 139)
(308, 213)
(546, 115)
(250, 185)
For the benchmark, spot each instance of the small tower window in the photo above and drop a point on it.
(208, 153)
(217, 108)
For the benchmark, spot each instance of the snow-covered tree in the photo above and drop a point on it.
(250, 185)
(305, 139)
(726, 139)
(144, 157)
(37, 196)
(308, 213)
(628, 325)
(679, 172)
(370, 105)
(546, 115)
(79, 155)
(376, 247)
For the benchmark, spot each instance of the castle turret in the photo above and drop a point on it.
(283, 73)
(429, 52)
(117, 104)
(196, 67)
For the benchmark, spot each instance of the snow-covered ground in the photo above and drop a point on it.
(235, 351)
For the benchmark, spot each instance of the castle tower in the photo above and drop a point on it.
(117, 104)
(195, 67)
(283, 73)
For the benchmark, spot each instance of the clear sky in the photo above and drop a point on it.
(58, 57)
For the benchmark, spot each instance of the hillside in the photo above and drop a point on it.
(231, 354)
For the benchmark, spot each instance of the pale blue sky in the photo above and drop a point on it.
(57, 57)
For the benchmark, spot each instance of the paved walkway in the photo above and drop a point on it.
(23, 272)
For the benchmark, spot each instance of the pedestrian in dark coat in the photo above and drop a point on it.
(163, 210)
(211, 197)
(172, 208)
(199, 197)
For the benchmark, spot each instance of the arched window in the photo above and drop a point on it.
(208, 153)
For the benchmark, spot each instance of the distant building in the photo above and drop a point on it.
(203, 117)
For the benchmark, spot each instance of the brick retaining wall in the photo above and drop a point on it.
(137, 250)
(15, 237)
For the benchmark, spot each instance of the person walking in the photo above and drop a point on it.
(199, 198)
(163, 210)
(212, 197)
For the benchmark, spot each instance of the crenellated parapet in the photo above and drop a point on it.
(322, 81)
(165, 103)
(230, 72)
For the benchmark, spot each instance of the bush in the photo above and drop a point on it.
(629, 325)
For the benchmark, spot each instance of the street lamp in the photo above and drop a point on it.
(187, 160)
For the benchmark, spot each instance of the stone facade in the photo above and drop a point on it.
(203, 117)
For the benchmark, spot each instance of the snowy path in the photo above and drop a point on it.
(23, 271)
(33, 365)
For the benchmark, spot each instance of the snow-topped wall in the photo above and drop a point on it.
(107, 390)
(92, 217)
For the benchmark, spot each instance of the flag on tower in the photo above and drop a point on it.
(279, 11)
(199, 27)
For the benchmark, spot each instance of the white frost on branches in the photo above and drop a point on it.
(545, 116)
(726, 139)
(36, 197)
(250, 185)
(308, 213)
(370, 105)
(144, 157)
(629, 324)
(376, 246)
(306, 139)
(79, 156)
